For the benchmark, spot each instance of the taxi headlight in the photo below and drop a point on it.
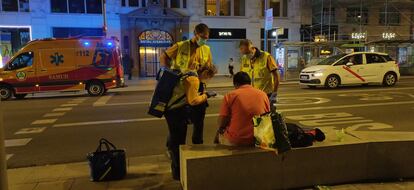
(1, 79)
(319, 74)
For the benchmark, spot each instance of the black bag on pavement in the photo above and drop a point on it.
(303, 137)
(106, 165)
(279, 127)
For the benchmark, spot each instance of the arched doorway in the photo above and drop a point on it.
(151, 44)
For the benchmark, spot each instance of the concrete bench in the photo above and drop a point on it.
(222, 167)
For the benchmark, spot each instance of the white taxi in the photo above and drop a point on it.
(349, 69)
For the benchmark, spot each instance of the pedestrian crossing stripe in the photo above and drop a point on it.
(17, 142)
(8, 156)
(62, 109)
(43, 121)
(30, 130)
(54, 114)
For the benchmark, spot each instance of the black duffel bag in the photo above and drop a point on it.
(109, 164)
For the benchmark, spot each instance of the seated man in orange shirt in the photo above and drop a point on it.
(237, 111)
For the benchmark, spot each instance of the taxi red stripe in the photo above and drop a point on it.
(353, 73)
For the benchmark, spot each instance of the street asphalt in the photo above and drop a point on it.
(62, 128)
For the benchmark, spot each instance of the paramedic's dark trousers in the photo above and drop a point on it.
(197, 118)
(177, 127)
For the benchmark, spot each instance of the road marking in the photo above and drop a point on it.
(68, 105)
(75, 102)
(116, 121)
(57, 114)
(335, 121)
(102, 101)
(8, 156)
(30, 130)
(43, 121)
(62, 109)
(282, 95)
(17, 142)
(295, 101)
(347, 106)
(216, 114)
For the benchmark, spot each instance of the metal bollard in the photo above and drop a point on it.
(3, 163)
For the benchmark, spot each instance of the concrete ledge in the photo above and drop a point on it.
(223, 167)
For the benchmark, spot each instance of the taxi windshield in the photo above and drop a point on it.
(332, 59)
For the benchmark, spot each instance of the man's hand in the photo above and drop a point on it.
(211, 94)
(216, 138)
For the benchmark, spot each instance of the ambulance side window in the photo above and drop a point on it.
(21, 61)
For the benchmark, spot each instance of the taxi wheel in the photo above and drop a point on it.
(5, 92)
(95, 88)
(332, 81)
(390, 79)
(20, 96)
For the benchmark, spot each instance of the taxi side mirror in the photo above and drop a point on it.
(349, 64)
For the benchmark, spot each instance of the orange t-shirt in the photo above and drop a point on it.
(241, 105)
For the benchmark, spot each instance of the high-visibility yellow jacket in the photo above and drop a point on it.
(182, 61)
(259, 72)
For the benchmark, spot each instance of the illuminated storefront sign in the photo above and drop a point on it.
(358, 35)
(388, 35)
(227, 33)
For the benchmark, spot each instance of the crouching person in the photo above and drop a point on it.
(237, 111)
(185, 93)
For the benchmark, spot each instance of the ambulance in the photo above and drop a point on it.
(67, 64)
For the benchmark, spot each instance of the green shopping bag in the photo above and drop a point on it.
(270, 132)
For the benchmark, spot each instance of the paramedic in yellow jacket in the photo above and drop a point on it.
(261, 67)
(177, 113)
(189, 55)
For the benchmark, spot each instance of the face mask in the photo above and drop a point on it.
(201, 42)
(249, 55)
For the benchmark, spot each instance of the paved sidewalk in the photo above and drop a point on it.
(144, 173)
(149, 172)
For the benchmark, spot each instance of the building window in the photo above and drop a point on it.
(133, 3)
(10, 5)
(94, 6)
(59, 6)
(210, 7)
(184, 4)
(175, 3)
(12, 39)
(225, 7)
(143, 3)
(77, 6)
(123, 3)
(64, 32)
(389, 16)
(280, 8)
(357, 15)
(239, 7)
(275, 5)
(326, 16)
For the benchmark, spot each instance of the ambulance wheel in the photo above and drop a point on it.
(332, 81)
(20, 96)
(5, 92)
(95, 88)
(390, 79)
